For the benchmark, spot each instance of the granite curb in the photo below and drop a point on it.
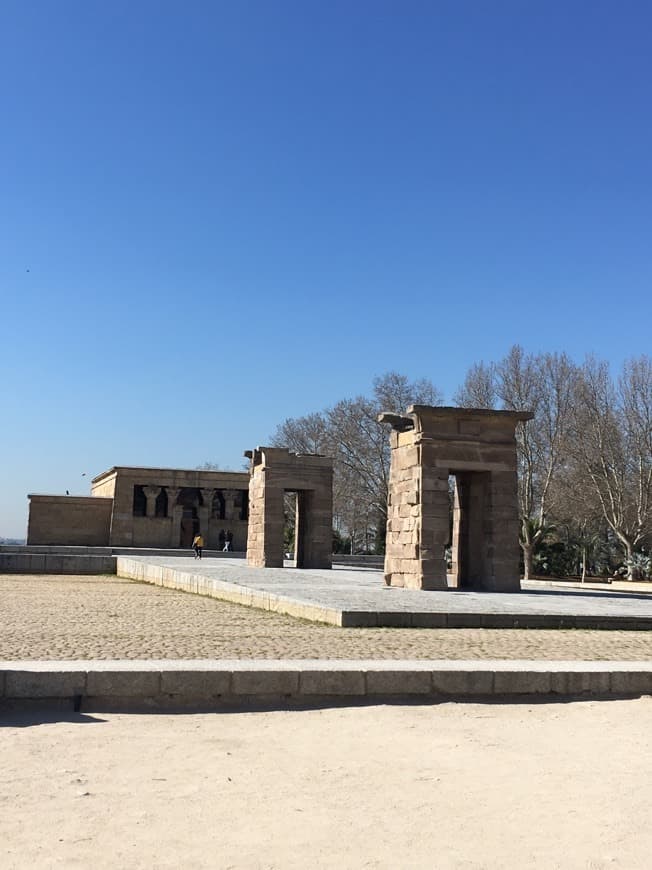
(214, 684)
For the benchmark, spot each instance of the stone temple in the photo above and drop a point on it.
(161, 508)
(433, 450)
(164, 508)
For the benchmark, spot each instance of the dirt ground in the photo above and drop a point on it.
(563, 785)
(90, 617)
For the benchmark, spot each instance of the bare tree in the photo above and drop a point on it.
(362, 446)
(309, 434)
(394, 392)
(541, 383)
(479, 388)
(578, 519)
(612, 447)
(351, 434)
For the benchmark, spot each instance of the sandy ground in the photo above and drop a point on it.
(444, 786)
(560, 785)
(80, 617)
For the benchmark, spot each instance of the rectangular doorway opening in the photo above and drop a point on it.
(297, 527)
(290, 499)
(468, 539)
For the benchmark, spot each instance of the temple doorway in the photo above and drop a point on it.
(471, 528)
(189, 527)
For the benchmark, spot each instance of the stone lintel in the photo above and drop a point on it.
(444, 422)
(467, 465)
(280, 457)
(448, 412)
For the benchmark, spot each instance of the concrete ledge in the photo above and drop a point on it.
(150, 551)
(77, 550)
(55, 549)
(399, 682)
(359, 561)
(333, 680)
(264, 682)
(463, 683)
(56, 563)
(33, 684)
(415, 619)
(217, 684)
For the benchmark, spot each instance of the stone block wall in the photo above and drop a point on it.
(417, 518)
(266, 520)
(68, 519)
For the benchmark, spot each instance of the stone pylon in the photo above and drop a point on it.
(472, 451)
(273, 472)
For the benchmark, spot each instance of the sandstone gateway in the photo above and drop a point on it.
(275, 471)
(478, 448)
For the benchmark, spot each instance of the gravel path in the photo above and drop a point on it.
(91, 617)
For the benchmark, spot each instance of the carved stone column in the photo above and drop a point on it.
(230, 495)
(175, 512)
(204, 511)
(151, 494)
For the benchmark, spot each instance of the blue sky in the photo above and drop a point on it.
(234, 213)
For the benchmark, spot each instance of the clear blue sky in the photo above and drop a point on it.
(233, 213)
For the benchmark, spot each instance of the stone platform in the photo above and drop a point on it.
(358, 597)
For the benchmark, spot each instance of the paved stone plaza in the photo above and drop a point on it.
(358, 597)
(60, 617)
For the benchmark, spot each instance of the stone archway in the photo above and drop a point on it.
(273, 472)
(478, 447)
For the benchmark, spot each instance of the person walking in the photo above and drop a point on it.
(198, 545)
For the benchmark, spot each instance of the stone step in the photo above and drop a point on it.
(214, 684)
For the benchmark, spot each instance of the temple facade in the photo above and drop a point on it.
(146, 507)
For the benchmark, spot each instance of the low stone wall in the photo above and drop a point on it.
(55, 563)
(148, 551)
(359, 561)
(58, 549)
(57, 559)
(101, 685)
